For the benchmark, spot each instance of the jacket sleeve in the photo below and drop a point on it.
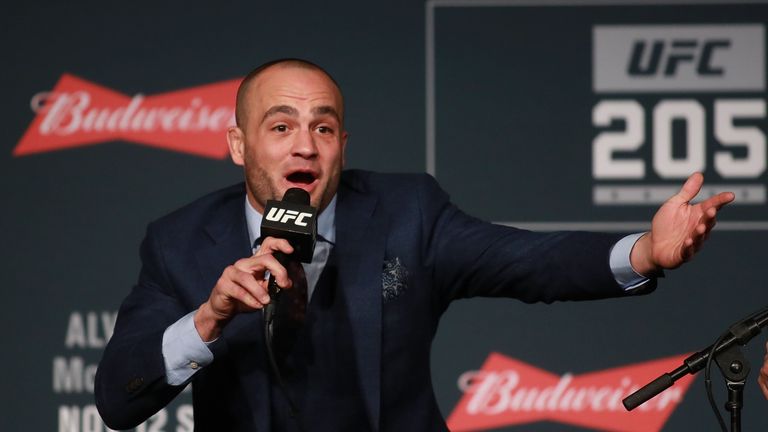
(471, 257)
(130, 383)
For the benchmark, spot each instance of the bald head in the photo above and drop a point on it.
(241, 107)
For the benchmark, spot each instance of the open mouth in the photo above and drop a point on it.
(301, 177)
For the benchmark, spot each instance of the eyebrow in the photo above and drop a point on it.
(293, 112)
(326, 109)
(285, 109)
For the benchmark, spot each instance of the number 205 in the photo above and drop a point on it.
(693, 114)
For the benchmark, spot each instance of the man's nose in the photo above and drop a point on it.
(304, 145)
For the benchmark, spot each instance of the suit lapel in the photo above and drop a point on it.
(229, 242)
(243, 336)
(360, 244)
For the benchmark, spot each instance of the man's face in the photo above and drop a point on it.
(291, 137)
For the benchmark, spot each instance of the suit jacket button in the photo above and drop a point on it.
(134, 385)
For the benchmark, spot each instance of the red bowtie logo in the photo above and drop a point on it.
(77, 113)
(508, 392)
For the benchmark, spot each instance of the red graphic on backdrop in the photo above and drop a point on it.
(78, 113)
(508, 392)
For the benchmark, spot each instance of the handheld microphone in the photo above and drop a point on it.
(295, 220)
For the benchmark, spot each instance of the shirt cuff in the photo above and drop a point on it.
(621, 266)
(184, 352)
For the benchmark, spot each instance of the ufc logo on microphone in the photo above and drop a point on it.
(283, 216)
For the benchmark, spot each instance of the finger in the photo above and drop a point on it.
(710, 220)
(697, 237)
(254, 265)
(700, 235)
(244, 285)
(710, 224)
(229, 298)
(688, 249)
(707, 219)
(277, 270)
(691, 187)
(271, 245)
(246, 299)
(258, 265)
(693, 244)
(252, 273)
(718, 201)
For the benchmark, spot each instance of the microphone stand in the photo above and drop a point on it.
(729, 358)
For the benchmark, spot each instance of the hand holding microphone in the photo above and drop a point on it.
(289, 231)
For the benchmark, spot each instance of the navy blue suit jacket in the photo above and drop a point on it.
(442, 255)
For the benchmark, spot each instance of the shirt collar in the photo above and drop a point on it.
(326, 222)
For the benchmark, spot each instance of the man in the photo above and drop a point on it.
(394, 252)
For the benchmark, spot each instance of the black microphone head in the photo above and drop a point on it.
(297, 196)
(292, 219)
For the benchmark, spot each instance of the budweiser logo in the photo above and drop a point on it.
(77, 113)
(508, 392)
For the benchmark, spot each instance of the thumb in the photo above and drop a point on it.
(691, 187)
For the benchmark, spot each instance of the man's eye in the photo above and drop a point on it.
(280, 128)
(324, 130)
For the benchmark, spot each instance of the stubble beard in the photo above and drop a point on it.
(261, 186)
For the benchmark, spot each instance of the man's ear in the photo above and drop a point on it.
(236, 141)
(344, 136)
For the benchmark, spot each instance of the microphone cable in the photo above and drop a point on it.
(269, 315)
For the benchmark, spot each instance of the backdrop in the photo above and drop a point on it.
(542, 114)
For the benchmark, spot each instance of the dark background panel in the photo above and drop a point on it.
(514, 104)
(513, 108)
